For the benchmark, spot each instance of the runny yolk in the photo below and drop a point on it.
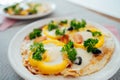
(48, 66)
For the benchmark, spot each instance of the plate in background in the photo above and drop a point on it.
(48, 5)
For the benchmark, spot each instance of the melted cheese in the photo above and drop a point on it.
(86, 58)
(85, 35)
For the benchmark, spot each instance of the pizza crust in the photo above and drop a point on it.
(97, 62)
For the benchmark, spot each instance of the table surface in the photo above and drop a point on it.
(63, 8)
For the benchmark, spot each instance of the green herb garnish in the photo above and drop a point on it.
(38, 50)
(59, 32)
(77, 24)
(33, 11)
(35, 33)
(83, 23)
(6, 9)
(15, 8)
(52, 26)
(32, 35)
(63, 22)
(70, 50)
(90, 44)
(96, 33)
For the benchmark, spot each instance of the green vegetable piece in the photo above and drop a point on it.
(96, 33)
(32, 35)
(68, 46)
(83, 23)
(90, 48)
(37, 56)
(33, 11)
(35, 33)
(17, 10)
(72, 54)
(64, 22)
(52, 26)
(6, 9)
(58, 32)
(38, 50)
(37, 47)
(90, 43)
(70, 50)
(73, 23)
(77, 24)
(14, 6)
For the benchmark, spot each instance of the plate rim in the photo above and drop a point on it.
(57, 18)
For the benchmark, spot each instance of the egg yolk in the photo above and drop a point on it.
(100, 42)
(56, 42)
(48, 66)
(100, 39)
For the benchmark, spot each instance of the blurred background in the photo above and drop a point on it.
(8, 2)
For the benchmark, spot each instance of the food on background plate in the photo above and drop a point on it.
(67, 48)
(24, 9)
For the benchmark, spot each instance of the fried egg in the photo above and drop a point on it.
(53, 61)
(51, 34)
(86, 58)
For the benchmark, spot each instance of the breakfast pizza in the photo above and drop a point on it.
(67, 48)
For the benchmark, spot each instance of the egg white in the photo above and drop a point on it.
(86, 35)
(86, 57)
(55, 54)
(51, 32)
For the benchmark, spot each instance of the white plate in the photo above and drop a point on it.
(16, 60)
(48, 5)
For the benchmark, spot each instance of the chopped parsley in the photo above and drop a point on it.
(70, 50)
(83, 23)
(16, 9)
(33, 9)
(38, 50)
(35, 33)
(12, 7)
(52, 26)
(90, 44)
(96, 33)
(63, 22)
(59, 32)
(77, 24)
